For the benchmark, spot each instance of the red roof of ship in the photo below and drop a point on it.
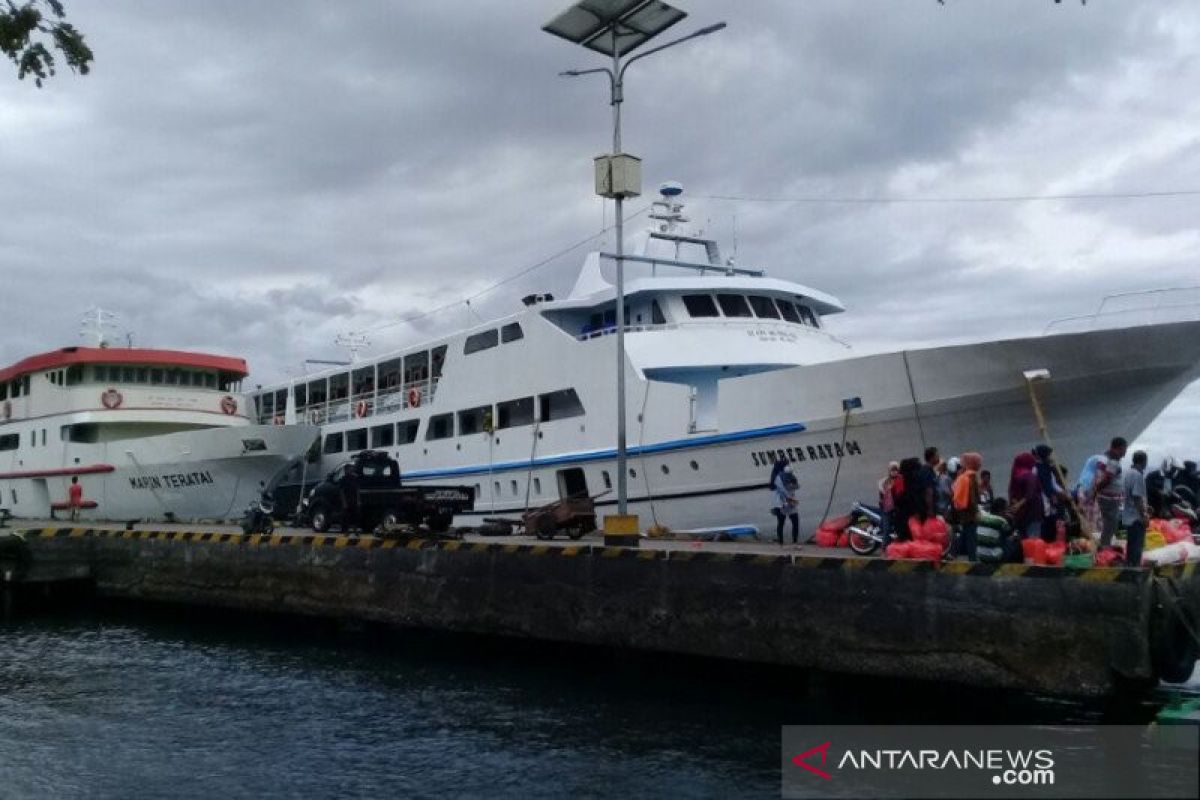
(68, 356)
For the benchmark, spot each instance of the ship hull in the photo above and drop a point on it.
(959, 398)
(204, 474)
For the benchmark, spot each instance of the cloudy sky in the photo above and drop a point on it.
(256, 177)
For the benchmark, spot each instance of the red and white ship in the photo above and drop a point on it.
(150, 434)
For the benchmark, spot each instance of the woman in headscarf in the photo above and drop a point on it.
(1025, 496)
(910, 501)
(785, 504)
(890, 489)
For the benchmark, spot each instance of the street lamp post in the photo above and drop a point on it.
(601, 25)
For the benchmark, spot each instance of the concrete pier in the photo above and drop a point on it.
(1044, 629)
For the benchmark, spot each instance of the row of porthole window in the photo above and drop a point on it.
(537, 482)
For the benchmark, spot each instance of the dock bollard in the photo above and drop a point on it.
(621, 530)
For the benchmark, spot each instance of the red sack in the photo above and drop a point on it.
(837, 524)
(1176, 531)
(826, 538)
(1034, 550)
(939, 538)
(900, 550)
(1052, 554)
(843, 540)
(929, 551)
(935, 529)
(914, 528)
(1108, 558)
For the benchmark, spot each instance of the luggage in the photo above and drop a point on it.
(1033, 550)
(899, 550)
(995, 522)
(988, 537)
(989, 554)
(826, 538)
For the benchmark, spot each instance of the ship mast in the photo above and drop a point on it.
(96, 324)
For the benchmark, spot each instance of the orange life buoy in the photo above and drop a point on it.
(360, 408)
(414, 397)
(111, 398)
(228, 404)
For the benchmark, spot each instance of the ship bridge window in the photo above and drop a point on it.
(383, 436)
(406, 432)
(807, 315)
(560, 405)
(733, 305)
(474, 420)
(484, 340)
(10, 441)
(513, 413)
(339, 386)
(267, 407)
(3, 391)
(356, 439)
(316, 392)
(389, 374)
(441, 426)
(364, 380)
(763, 307)
(416, 367)
(700, 305)
(656, 314)
(788, 311)
(333, 443)
(439, 360)
(511, 332)
(74, 374)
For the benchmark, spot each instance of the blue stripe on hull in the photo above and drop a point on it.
(601, 455)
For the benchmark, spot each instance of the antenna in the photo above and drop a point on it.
(96, 321)
(352, 342)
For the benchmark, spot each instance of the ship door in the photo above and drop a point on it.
(41, 494)
(572, 483)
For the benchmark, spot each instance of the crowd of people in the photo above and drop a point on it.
(1040, 500)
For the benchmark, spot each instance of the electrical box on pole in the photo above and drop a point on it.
(618, 176)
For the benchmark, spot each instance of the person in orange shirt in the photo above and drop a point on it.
(75, 497)
(965, 501)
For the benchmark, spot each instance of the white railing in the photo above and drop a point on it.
(362, 405)
(1130, 309)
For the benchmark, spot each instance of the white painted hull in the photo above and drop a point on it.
(969, 397)
(193, 475)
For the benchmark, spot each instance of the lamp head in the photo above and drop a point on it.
(1032, 375)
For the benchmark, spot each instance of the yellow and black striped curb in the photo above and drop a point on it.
(798, 560)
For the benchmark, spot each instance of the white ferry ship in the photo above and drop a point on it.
(150, 434)
(726, 370)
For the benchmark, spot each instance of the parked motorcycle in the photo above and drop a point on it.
(866, 530)
(257, 518)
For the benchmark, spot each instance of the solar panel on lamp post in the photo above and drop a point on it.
(615, 28)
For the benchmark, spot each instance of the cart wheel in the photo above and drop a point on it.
(577, 532)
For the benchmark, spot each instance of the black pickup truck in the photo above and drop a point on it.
(366, 492)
